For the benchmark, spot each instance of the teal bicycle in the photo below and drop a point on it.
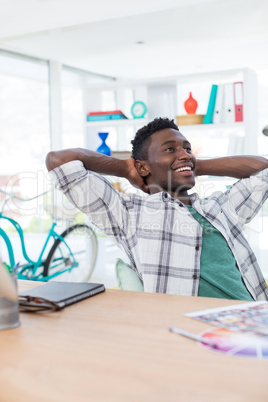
(71, 258)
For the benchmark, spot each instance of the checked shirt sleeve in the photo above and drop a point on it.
(247, 196)
(93, 195)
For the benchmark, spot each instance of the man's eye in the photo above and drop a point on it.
(170, 149)
(188, 149)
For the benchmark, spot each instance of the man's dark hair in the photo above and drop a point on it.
(142, 140)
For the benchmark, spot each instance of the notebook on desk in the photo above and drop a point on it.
(64, 293)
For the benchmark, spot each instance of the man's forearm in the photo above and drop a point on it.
(98, 163)
(91, 160)
(232, 166)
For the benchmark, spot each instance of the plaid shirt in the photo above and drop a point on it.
(161, 238)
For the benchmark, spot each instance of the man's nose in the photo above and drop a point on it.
(183, 154)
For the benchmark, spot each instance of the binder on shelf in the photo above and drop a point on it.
(218, 114)
(211, 105)
(238, 100)
(229, 114)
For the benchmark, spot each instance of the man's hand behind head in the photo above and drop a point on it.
(134, 177)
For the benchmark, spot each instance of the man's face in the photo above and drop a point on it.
(171, 165)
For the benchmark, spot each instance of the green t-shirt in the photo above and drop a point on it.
(219, 274)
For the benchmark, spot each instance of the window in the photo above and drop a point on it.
(24, 123)
(24, 120)
(73, 114)
(74, 83)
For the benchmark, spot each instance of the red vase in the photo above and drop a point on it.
(190, 105)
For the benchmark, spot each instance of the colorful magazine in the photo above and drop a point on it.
(248, 318)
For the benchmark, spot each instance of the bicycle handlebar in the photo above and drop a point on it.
(12, 195)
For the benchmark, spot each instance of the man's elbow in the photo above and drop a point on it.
(52, 161)
(58, 158)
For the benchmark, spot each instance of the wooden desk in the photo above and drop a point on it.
(116, 347)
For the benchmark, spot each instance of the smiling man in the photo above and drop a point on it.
(176, 242)
(166, 162)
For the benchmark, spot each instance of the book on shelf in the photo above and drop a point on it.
(109, 112)
(109, 115)
(102, 117)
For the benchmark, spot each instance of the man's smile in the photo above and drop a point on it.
(186, 169)
(183, 169)
(185, 172)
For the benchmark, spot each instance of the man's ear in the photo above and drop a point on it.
(142, 167)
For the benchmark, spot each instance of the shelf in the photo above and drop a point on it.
(117, 123)
(212, 126)
(136, 122)
(121, 154)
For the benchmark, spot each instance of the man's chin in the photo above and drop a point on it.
(183, 187)
(174, 188)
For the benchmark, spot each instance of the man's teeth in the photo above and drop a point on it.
(183, 168)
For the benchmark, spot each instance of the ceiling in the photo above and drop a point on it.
(178, 36)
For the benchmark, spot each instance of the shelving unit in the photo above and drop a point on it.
(165, 97)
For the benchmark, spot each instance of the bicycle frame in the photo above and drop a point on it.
(29, 271)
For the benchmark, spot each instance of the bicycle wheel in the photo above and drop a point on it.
(73, 258)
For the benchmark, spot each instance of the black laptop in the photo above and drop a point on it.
(61, 294)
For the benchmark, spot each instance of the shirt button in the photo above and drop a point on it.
(197, 248)
(165, 197)
(195, 276)
(181, 205)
